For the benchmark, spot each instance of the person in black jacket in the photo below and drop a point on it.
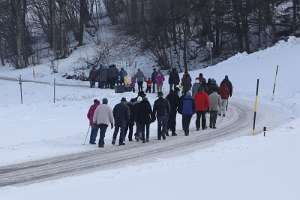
(186, 82)
(174, 79)
(93, 77)
(113, 74)
(161, 111)
(121, 115)
(143, 118)
(153, 78)
(173, 99)
(130, 123)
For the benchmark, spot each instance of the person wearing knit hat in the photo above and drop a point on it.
(161, 111)
(122, 115)
(103, 116)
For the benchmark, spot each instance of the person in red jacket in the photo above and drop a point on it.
(90, 116)
(149, 85)
(224, 92)
(202, 106)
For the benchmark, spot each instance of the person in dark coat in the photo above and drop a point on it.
(186, 82)
(186, 109)
(211, 86)
(121, 115)
(153, 78)
(122, 75)
(174, 79)
(224, 92)
(173, 99)
(93, 77)
(161, 111)
(130, 124)
(90, 116)
(102, 77)
(143, 118)
(113, 74)
(228, 84)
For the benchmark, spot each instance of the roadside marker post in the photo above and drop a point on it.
(265, 131)
(275, 81)
(54, 91)
(21, 88)
(255, 106)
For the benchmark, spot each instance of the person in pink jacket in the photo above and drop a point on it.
(159, 81)
(90, 116)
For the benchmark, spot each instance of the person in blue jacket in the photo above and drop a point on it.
(186, 109)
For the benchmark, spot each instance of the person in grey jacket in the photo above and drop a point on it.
(140, 77)
(214, 106)
(196, 87)
(103, 116)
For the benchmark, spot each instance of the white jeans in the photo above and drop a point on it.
(223, 106)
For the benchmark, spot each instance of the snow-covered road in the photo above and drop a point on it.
(238, 123)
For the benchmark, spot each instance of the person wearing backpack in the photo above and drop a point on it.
(224, 92)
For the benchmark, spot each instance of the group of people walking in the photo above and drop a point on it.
(138, 113)
(109, 77)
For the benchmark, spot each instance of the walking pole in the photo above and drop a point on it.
(255, 106)
(87, 134)
(274, 87)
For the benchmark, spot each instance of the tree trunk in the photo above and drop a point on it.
(82, 20)
(19, 12)
(2, 52)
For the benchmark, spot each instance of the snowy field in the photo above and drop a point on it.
(245, 168)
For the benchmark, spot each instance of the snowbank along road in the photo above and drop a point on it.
(239, 123)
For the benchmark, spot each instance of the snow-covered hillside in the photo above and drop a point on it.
(245, 168)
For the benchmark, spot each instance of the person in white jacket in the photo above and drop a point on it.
(214, 107)
(103, 117)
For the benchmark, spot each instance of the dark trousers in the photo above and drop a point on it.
(102, 84)
(186, 121)
(172, 122)
(94, 133)
(139, 130)
(162, 126)
(112, 83)
(213, 119)
(172, 86)
(122, 129)
(140, 86)
(148, 90)
(130, 129)
(153, 87)
(145, 131)
(201, 114)
(92, 84)
(103, 128)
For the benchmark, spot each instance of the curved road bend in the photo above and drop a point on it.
(86, 162)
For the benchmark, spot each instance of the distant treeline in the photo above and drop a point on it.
(174, 31)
